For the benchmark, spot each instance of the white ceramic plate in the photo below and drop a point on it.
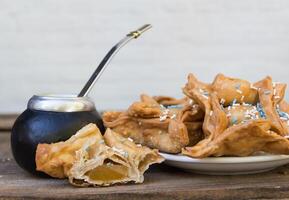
(227, 165)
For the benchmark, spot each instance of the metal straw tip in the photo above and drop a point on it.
(140, 30)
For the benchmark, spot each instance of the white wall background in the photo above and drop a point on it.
(52, 46)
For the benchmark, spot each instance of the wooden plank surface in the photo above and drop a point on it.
(161, 182)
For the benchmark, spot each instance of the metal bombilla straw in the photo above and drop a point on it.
(97, 73)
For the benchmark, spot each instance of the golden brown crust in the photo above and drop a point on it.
(144, 110)
(56, 159)
(150, 123)
(233, 112)
(241, 140)
(267, 96)
(88, 158)
(231, 89)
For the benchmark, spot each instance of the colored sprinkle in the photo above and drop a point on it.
(101, 142)
(267, 92)
(234, 101)
(211, 113)
(173, 116)
(204, 93)
(239, 91)
(163, 118)
(238, 86)
(234, 120)
(125, 154)
(253, 87)
(195, 106)
(206, 97)
(282, 115)
(222, 101)
(175, 106)
(164, 113)
(259, 108)
(87, 148)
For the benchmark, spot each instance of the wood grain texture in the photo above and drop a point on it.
(161, 182)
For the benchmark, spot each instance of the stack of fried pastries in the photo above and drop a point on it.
(164, 123)
(228, 117)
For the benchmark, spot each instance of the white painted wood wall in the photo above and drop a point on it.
(52, 46)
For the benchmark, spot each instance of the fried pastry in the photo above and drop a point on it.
(56, 159)
(241, 140)
(240, 118)
(164, 123)
(90, 159)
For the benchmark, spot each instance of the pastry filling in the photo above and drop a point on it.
(108, 172)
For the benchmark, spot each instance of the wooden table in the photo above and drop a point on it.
(161, 182)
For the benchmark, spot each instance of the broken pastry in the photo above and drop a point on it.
(165, 123)
(90, 159)
(240, 118)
